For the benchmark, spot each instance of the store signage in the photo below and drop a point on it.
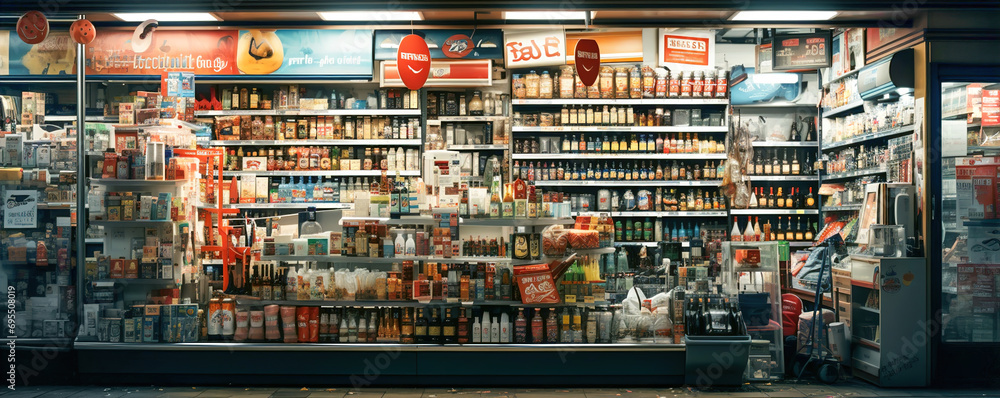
(327, 52)
(618, 46)
(587, 56)
(794, 52)
(763, 57)
(444, 73)
(535, 48)
(444, 43)
(979, 281)
(20, 209)
(991, 108)
(687, 49)
(413, 61)
(204, 52)
(56, 55)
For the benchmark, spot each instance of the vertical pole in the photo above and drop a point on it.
(81, 176)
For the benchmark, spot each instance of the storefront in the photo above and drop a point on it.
(465, 197)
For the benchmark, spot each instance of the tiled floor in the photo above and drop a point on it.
(850, 389)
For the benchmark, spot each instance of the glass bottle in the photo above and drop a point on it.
(476, 104)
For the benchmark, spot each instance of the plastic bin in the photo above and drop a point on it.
(715, 361)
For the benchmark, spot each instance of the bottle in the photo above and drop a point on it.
(735, 235)
(477, 331)
(552, 327)
(800, 234)
(409, 248)
(520, 327)
(775, 164)
(420, 327)
(476, 104)
(463, 322)
(504, 328)
(786, 168)
(495, 331)
(771, 199)
(810, 233)
(780, 199)
(449, 327)
(810, 200)
(758, 236)
(487, 328)
(767, 168)
(753, 198)
(749, 235)
(795, 168)
(537, 327)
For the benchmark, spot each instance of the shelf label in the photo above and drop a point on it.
(20, 209)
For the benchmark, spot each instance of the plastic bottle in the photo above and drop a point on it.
(504, 328)
(487, 329)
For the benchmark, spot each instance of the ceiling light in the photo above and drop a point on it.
(784, 15)
(371, 16)
(544, 15)
(167, 16)
(775, 78)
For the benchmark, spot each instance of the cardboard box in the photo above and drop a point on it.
(117, 268)
(151, 324)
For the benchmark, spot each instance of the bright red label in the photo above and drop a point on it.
(457, 46)
(588, 61)
(414, 60)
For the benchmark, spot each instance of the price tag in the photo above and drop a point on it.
(588, 299)
(570, 299)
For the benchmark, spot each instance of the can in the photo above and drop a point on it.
(214, 321)
(228, 314)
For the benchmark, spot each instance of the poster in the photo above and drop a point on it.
(535, 48)
(20, 209)
(990, 108)
(4, 52)
(325, 52)
(204, 52)
(762, 59)
(54, 56)
(687, 49)
(618, 46)
(808, 51)
(980, 281)
(444, 43)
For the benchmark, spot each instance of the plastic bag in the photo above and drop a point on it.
(633, 301)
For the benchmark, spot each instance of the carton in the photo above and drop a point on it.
(151, 324)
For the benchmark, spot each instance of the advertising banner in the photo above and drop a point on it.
(54, 56)
(535, 48)
(624, 46)
(445, 73)
(687, 49)
(204, 52)
(444, 43)
(305, 52)
(413, 60)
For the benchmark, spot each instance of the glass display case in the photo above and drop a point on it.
(750, 272)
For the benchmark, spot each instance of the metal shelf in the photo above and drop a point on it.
(373, 142)
(94, 241)
(113, 181)
(597, 101)
(853, 174)
(135, 281)
(515, 222)
(651, 244)
(870, 137)
(793, 178)
(773, 212)
(633, 129)
(850, 108)
(640, 183)
(388, 260)
(618, 155)
(706, 213)
(469, 118)
(842, 208)
(291, 206)
(784, 144)
(306, 112)
(135, 223)
(477, 147)
(775, 105)
(378, 347)
(322, 173)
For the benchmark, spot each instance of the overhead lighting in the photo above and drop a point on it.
(372, 16)
(167, 16)
(544, 15)
(784, 15)
(775, 78)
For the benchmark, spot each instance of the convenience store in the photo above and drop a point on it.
(452, 207)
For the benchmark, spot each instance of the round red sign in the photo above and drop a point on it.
(588, 61)
(457, 46)
(413, 60)
(32, 27)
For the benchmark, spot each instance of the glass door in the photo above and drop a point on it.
(964, 177)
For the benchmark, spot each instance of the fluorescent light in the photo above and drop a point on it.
(167, 16)
(370, 16)
(784, 15)
(544, 15)
(775, 78)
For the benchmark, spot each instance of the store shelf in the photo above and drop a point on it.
(866, 342)
(56, 205)
(772, 212)
(853, 174)
(632, 129)
(378, 347)
(515, 222)
(653, 213)
(775, 104)
(841, 77)
(853, 107)
(477, 147)
(602, 250)
(290, 206)
(388, 142)
(117, 182)
(131, 281)
(135, 223)
(72, 118)
(641, 183)
(306, 112)
(962, 114)
(94, 241)
(470, 118)
(322, 173)
(411, 220)
(619, 155)
(650, 244)
(783, 178)
(649, 101)
(870, 137)
(842, 208)
(784, 144)
(801, 244)
(388, 260)
(867, 309)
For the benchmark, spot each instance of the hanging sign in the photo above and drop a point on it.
(342, 52)
(444, 43)
(445, 73)
(687, 49)
(20, 209)
(810, 51)
(535, 48)
(204, 52)
(413, 60)
(587, 56)
(617, 46)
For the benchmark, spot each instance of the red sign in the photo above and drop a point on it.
(689, 50)
(457, 46)
(414, 60)
(536, 284)
(980, 282)
(535, 48)
(588, 61)
(450, 73)
(991, 107)
(204, 52)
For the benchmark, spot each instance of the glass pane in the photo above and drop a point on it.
(970, 162)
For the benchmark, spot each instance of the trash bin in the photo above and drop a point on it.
(715, 361)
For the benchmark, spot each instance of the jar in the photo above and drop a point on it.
(621, 82)
(517, 84)
(567, 84)
(531, 85)
(581, 90)
(722, 84)
(607, 82)
(674, 86)
(635, 83)
(686, 83)
(708, 90)
(545, 85)
(661, 83)
(697, 84)
(648, 82)
(476, 104)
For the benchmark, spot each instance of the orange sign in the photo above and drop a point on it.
(687, 50)
(204, 52)
(588, 61)
(414, 61)
(624, 46)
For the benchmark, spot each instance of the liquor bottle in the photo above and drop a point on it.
(552, 326)
(362, 330)
(266, 284)
(810, 233)
(420, 327)
(762, 199)
(799, 231)
(780, 199)
(810, 200)
(770, 199)
(255, 282)
(796, 168)
(756, 227)
(462, 329)
(735, 235)
(796, 200)
(406, 327)
(786, 168)
(449, 327)
(434, 327)
(780, 231)
(775, 164)
(753, 198)
(749, 235)
(767, 168)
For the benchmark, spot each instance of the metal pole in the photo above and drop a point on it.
(81, 178)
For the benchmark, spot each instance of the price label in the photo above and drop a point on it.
(570, 299)
(588, 299)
